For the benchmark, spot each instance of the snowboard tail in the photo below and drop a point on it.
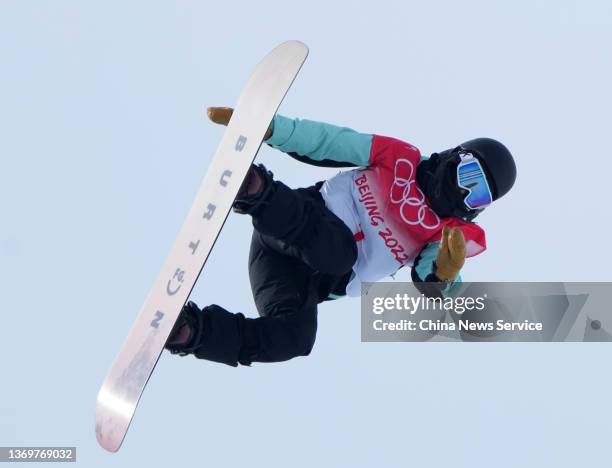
(125, 382)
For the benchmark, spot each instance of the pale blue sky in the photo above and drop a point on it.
(103, 143)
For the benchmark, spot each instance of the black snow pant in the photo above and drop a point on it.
(300, 254)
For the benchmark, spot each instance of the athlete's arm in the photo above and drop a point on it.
(320, 143)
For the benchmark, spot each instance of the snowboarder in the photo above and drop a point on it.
(394, 209)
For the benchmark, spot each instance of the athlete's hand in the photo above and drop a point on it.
(222, 116)
(451, 255)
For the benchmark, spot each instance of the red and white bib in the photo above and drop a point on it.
(387, 212)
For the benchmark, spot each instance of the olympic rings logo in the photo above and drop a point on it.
(406, 193)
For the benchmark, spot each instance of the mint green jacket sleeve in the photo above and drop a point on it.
(423, 269)
(320, 141)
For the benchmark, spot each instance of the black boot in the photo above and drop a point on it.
(254, 191)
(212, 333)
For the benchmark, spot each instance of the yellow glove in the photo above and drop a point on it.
(222, 116)
(451, 255)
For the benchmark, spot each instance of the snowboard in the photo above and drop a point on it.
(133, 366)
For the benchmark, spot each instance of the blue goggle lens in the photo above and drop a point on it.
(471, 177)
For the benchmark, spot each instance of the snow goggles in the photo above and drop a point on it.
(471, 177)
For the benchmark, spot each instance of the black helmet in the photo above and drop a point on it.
(497, 162)
(437, 176)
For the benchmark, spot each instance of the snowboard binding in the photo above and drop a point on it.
(254, 191)
(187, 331)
